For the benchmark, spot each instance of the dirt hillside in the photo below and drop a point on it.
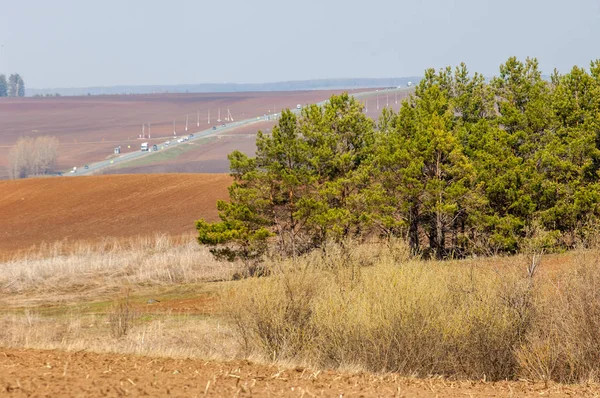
(39, 210)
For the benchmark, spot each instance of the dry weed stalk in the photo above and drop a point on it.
(122, 316)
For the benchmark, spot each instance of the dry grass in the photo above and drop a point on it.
(179, 336)
(457, 319)
(366, 307)
(91, 269)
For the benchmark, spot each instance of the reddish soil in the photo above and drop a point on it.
(88, 128)
(39, 210)
(39, 373)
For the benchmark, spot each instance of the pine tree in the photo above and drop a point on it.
(20, 87)
(16, 86)
(12, 85)
(3, 86)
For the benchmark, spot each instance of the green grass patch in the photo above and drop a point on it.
(166, 154)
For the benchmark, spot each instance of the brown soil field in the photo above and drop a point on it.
(211, 156)
(88, 128)
(39, 210)
(40, 373)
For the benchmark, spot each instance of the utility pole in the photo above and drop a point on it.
(174, 132)
(209, 116)
(143, 133)
(149, 131)
(186, 123)
(198, 124)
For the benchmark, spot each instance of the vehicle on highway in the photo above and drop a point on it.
(191, 136)
(214, 127)
(86, 167)
(154, 148)
(298, 106)
(145, 147)
(167, 143)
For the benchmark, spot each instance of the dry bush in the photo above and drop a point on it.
(455, 319)
(564, 344)
(273, 315)
(95, 268)
(413, 317)
(121, 317)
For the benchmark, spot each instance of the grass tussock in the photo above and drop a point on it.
(109, 265)
(425, 318)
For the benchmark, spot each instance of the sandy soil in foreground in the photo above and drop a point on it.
(77, 374)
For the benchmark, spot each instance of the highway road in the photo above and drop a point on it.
(197, 135)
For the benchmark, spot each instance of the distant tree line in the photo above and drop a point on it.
(13, 87)
(466, 166)
(32, 156)
(47, 95)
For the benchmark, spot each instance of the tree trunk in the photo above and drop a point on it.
(413, 229)
(439, 236)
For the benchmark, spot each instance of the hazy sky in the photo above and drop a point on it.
(74, 43)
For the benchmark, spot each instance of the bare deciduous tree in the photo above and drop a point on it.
(32, 156)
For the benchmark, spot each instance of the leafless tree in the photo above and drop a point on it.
(32, 156)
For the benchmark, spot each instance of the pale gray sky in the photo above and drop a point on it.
(73, 43)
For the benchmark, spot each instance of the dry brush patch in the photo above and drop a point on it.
(174, 336)
(367, 307)
(463, 319)
(90, 270)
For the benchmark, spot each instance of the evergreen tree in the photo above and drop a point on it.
(12, 85)
(464, 167)
(20, 87)
(16, 86)
(3, 86)
(571, 159)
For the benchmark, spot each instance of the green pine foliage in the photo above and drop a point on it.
(467, 166)
(14, 87)
(3, 86)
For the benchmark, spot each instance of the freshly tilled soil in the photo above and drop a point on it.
(25, 373)
(47, 210)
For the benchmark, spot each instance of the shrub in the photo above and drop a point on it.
(121, 317)
(408, 318)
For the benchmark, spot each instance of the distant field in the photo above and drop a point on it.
(89, 128)
(37, 210)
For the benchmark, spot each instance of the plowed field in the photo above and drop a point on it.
(25, 373)
(90, 127)
(39, 210)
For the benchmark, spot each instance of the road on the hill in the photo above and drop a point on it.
(128, 157)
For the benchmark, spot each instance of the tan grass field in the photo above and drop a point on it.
(137, 302)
